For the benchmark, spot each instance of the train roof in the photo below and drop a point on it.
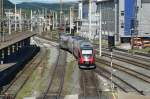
(79, 38)
(85, 44)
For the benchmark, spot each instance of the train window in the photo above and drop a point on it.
(86, 51)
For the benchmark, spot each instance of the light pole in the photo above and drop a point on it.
(20, 22)
(9, 23)
(61, 12)
(70, 19)
(56, 19)
(77, 26)
(15, 18)
(90, 19)
(31, 21)
(111, 65)
(100, 30)
(53, 19)
(116, 21)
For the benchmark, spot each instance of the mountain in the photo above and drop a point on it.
(40, 6)
(8, 4)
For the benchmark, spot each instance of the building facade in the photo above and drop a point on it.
(120, 18)
(107, 16)
(85, 17)
(143, 17)
(134, 19)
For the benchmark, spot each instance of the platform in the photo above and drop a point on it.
(12, 39)
(6, 66)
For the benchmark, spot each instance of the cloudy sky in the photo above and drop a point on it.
(43, 1)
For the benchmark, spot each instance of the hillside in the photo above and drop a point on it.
(8, 4)
(53, 6)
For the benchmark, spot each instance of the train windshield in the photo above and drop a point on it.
(87, 53)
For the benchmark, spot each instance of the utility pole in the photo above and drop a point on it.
(70, 19)
(77, 26)
(56, 19)
(90, 19)
(116, 21)
(31, 22)
(20, 22)
(100, 30)
(111, 65)
(61, 12)
(15, 18)
(9, 24)
(49, 21)
(53, 19)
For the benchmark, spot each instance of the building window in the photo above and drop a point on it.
(122, 25)
(122, 13)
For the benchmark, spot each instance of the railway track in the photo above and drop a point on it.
(118, 82)
(89, 85)
(136, 62)
(20, 80)
(129, 71)
(56, 81)
(134, 56)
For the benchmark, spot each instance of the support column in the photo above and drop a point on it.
(17, 47)
(27, 42)
(9, 52)
(5, 54)
(13, 49)
(2, 56)
(22, 44)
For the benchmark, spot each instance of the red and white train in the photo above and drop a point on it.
(82, 49)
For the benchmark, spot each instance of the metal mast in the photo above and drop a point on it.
(116, 21)
(90, 19)
(20, 22)
(15, 17)
(9, 24)
(61, 12)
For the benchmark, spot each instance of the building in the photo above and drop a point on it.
(143, 18)
(85, 17)
(107, 9)
(122, 19)
(134, 19)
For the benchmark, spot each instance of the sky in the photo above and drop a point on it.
(42, 1)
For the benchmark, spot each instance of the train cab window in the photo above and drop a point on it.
(87, 53)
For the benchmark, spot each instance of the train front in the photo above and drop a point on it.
(87, 59)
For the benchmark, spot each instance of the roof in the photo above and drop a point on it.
(86, 44)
